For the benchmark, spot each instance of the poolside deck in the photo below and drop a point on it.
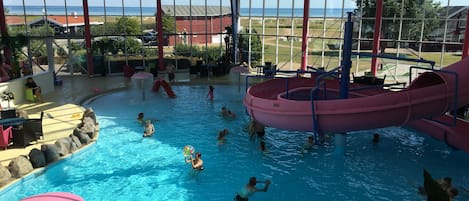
(62, 110)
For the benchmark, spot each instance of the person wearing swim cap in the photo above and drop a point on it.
(140, 117)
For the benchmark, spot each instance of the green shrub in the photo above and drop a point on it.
(150, 52)
(61, 52)
(212, 54)
(186, 50)
(114, 44)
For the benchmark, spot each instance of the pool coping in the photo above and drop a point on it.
(39, 171)
(90, 98)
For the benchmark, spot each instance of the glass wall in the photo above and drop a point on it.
(413, 29)
(196, 33)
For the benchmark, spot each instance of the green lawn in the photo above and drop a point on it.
(331, 56)
(448, 58)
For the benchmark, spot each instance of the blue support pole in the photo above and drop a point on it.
(347, 58)
(340, 138)
(340, 144)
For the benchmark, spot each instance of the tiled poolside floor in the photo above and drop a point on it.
(62, 110)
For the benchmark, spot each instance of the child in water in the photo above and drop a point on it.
(149, 129)
(262, 146)
(221, 136)
(140, 118)
(226, 113)
(210, 93)
(309, 145)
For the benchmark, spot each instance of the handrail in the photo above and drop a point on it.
(328, 73)
(316, 69)
(260, 76)
(456, 94)
(420, 60)
(297, 72)
(314, 94)
(377, 86)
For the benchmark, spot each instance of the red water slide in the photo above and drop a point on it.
(166, 87)
(432, 94)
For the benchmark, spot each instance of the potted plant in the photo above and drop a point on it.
(8, 96)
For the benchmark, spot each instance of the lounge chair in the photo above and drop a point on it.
(6, 137)
(368, 80)
(5, 114)
(34, 126)
(270, 70)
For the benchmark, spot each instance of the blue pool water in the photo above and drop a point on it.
(124, 166)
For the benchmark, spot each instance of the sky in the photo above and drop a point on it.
(244, 3)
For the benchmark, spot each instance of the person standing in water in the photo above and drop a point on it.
(210, 93)
(149, 129)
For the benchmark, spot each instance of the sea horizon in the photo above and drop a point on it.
(150, 11)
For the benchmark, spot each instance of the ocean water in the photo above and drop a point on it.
(297, 12)
(150, 11)
(124, 166)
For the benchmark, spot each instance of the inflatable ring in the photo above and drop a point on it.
(188, 150)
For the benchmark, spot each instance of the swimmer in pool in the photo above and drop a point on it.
(250, 189)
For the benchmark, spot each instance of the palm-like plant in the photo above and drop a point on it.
(15, 44)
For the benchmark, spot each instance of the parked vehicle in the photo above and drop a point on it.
(114, 44)
(149, 37)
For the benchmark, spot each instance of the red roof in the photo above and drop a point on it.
(14, 20)
(61, 20)
(71, 19)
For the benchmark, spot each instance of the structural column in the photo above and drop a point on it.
(4, 33)
(304, 42)
(347, 58)
(89, 51)
(50, 54)
(159, 29)
(465, 51)
(234, 22)
(377, 35)
(340, 141)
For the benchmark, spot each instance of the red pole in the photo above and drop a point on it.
(377, 35)
(465, 49)
(159, 27)
(89, 51)
(304, 42)
(4, 32)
